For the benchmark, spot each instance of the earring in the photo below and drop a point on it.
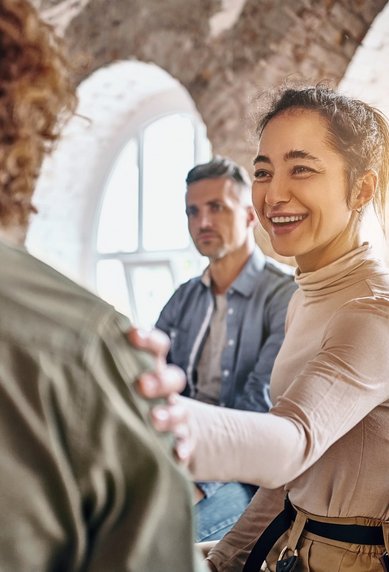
(360, 213)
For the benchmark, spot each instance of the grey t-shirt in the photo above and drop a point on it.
(209, 370)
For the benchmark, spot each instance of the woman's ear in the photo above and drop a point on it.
(364, 190)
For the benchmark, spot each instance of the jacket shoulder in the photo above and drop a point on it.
(52, 307)
(186, 288)
(283, 271)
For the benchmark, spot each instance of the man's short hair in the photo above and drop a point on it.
(219, 167)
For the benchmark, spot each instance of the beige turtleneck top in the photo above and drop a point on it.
(326, 439)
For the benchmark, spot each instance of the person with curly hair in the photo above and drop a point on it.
(36, 96)
(86, 483)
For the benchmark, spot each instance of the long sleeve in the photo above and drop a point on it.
(230, 554)
(249, 438)
(332, 393)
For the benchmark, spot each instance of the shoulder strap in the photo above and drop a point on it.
(268, 538)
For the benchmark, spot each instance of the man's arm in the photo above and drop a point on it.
(167, 320)
(255, 395)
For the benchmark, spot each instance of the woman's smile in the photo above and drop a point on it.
(284, 223)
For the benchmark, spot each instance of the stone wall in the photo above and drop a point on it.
(223, 51)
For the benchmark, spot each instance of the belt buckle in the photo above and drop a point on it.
(286, 564)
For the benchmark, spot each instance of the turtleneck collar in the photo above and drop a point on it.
(354, 266)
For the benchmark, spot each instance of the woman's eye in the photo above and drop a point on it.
(261, 174)
(301, 170)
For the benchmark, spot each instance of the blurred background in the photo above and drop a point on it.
(163, 85)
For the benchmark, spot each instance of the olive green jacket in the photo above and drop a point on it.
(85, 483)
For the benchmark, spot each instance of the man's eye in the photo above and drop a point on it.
(190, 213)
(216, 208)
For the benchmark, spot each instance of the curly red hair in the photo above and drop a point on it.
(36, 97)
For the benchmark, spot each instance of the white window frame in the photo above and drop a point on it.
(173, 260)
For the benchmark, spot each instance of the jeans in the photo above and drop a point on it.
(218, 511)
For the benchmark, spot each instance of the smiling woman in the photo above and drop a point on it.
(321, 159)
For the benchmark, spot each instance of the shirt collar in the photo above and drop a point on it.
(245, 282)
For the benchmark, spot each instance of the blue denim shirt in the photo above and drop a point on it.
(257, 303)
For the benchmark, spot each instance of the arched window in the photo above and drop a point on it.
(143, 249)
(111, 198)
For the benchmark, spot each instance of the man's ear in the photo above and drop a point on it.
(364, 190)
(252, 218)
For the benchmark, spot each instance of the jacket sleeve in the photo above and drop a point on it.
(168, 319)
(125, 469)
(255, 396)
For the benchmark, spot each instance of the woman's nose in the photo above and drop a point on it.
(277, 192)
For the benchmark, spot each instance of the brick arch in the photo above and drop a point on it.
(225, 51)
(222, 51)
(114, 103)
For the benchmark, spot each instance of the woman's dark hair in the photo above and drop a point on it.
(356, 131)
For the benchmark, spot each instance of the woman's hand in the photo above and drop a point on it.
(166, 381)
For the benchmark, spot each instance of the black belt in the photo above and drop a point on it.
(352, 533)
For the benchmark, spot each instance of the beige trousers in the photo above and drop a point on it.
(318, 554)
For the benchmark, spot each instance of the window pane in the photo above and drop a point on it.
(168, 156)
(118, 224)
(188, 265)
(111, 285)
(152, 286)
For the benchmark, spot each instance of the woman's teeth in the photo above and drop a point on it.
(285, 219)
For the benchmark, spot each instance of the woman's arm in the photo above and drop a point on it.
(232, 551)
(333, 393)
(243, 446)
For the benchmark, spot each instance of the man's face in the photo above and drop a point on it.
(219, 219)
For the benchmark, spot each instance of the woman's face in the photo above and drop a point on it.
(300, 190)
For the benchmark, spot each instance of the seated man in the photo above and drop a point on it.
(226, 326)
(86, 484)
